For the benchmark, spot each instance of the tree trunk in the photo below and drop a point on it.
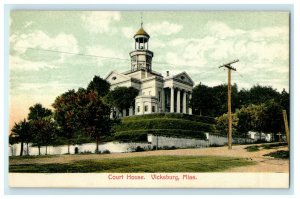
(39, 150)
(68, 146)
(12, 150)
(22, 146)
(97, 145)
(260, 135)
(27, 149)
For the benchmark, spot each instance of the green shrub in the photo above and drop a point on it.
(106, 152)
(279, 154)
(271, 146)
(252, 148)
(195, 118)
(164, 123)
(139, 149)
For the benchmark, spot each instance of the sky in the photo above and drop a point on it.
(52, 52)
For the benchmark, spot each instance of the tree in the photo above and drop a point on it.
(41, 125)
(260, 94)
(65, 108)
(82, 111)
(37, 112)
(212, 101)
(273, 120)
(93, 115)
(21, 133)
(285, 101)
(222, 124)
(250, 118)
(122, 98)
(201, 100)
(99, 85)
(44, 131)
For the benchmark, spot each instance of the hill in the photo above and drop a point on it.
(136, 128)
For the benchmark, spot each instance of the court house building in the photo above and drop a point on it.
(157, 93)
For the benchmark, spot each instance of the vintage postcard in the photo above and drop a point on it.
(149, 99)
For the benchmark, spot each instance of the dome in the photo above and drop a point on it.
(141, 31)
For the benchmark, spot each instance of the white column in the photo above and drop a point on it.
(172, 100)
(190, 109)
(162, 100)
(130, 111)
(184, 102)
(178, 101)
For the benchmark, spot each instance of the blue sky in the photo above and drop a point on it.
(195, 42)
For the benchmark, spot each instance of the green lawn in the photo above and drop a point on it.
(137, 164)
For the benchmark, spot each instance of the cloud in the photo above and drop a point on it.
(222, 30)
(39, 39)
(100, 22)
(102, 51)
(163, 28)
(260, 51)
(28, 24)
(40, 42)
(17, 63)
(128, 32)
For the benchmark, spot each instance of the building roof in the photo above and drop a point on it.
(141, 31)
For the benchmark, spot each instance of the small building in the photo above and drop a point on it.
(157, 93)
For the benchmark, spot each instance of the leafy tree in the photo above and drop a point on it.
(44, 131)
(21, 133)
(260, 94)
(212, 101)
(222, 124)
(285, 101)
(93, 115)
(65, 108)
(99, 85)
(202, 96)
(122, 98)
(250, 118)
(41, 126)
(82, 111)
(273, 119)
(37, 112)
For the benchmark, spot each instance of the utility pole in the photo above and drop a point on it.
(229, 67)
(286, 125)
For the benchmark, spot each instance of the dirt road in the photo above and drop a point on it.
(264, 163)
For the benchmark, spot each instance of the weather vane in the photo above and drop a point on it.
(141, 19)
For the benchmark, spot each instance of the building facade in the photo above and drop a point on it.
(156, 93)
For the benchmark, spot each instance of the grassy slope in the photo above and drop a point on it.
(136, 128)
(137, 164)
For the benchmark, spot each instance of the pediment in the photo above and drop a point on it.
(184, 78)
(116, 77)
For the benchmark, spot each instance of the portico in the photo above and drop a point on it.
(174, 100)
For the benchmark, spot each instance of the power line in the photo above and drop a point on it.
(99, 56)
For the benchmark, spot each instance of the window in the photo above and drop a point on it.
(146, 108)
(159, 96)
(153, 109)
(138, 109)
(114, 78)
(182, 77)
